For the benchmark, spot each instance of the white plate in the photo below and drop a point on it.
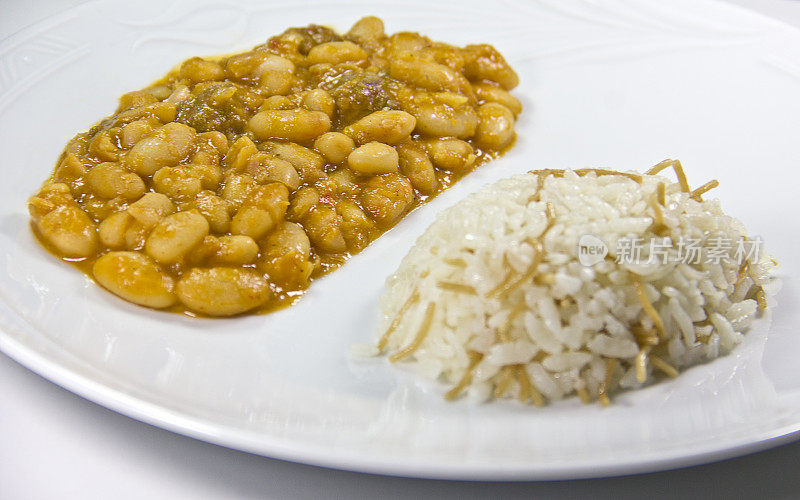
(621, 84)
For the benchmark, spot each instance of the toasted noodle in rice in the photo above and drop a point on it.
(457, 287)
(743, 271)
(397, 319)
(456, 262)
(658, 226)
(507, 375)
(761, 299)
(697, 194)
(648, 308)
(603, 171)
(474, 359)
(527, 391)
(662, 194)
(583, 395)
(508, 285)
(605, 385)
(645, 337)
(420, 337)
(641, 364)
(677, 167)
(665, 367)
(504, 303)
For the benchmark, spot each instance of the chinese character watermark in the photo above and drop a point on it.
(689, 250)
(716, 249)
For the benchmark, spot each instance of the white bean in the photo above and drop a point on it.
(415, 164)
(265, 208)
(175, 235)
(492, 93)
(334, 146)
(373, 158)
(223, 291)
(386, 198)
(323, 226)
(134, 277)
(427, 74)
(319, 100)
(335, 53)
(484, 62)
(367, 30)
(387, 126)
(110, 180)
(454, 155)
(236, 250)
(70, 230)
(299, 125)
(495, 126)
(438, 119)
(199, 70)
(151, 208)
(276, 75)
(163, 148)
(112, 230)
(286, 257)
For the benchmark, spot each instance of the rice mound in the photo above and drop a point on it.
(494, 301)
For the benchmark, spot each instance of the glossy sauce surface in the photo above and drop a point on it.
(230, 184)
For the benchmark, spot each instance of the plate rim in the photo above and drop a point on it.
(265, 445)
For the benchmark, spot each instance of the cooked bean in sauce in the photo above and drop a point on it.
(231, 183)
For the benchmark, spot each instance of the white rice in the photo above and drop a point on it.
(568, 327)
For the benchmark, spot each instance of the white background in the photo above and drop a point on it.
(54, 444)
